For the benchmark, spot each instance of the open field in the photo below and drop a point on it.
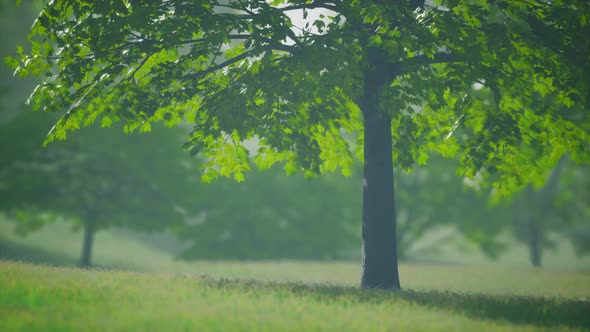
(271, 296)
(37, 297)
(58, 245)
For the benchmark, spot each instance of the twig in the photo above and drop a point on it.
(132, 75)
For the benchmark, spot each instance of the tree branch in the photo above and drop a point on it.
(218, 67)
(245, 10)
(278, 46)
(424, 60)
(132, 75)
(250, 14)
(310, 6)
(391, 70)
(502, 10)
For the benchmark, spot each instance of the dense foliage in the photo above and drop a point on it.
(160, 61)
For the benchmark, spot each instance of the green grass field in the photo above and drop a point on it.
(139, 288)
(43, 298)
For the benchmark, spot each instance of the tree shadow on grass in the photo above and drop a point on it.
(13, 251)
(516, 309)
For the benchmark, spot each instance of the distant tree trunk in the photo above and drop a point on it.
(379, 252)
(539, 207)
(86, 257)
(535, 239)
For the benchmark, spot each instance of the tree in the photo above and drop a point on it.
(573, 207)
(434, 198)
(98, 180)
(558, 206)
(400, 73)
(273, 216)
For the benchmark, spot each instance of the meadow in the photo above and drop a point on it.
(138, 288)
(44, 298)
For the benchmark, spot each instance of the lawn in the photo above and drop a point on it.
(137, 287)
(44, 298)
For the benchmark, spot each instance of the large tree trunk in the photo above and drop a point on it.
(86, 257)
(379, 254)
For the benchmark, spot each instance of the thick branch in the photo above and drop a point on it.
(251, 14)
(310, 6)
(394, 69)
(283, 47)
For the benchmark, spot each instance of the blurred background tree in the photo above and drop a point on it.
(274, 216)
(101, 179)
(560, 206)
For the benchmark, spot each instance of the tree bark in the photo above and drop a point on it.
(379, 252)
(86, 257)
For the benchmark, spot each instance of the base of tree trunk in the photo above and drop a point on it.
(535, 244)
(86, 257)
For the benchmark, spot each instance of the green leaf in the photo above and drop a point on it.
(375, 40)
(106, 121)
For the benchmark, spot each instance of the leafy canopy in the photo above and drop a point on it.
(289, 75)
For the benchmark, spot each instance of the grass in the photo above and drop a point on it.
(58, 245)
(287, 295)
(37, 297)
